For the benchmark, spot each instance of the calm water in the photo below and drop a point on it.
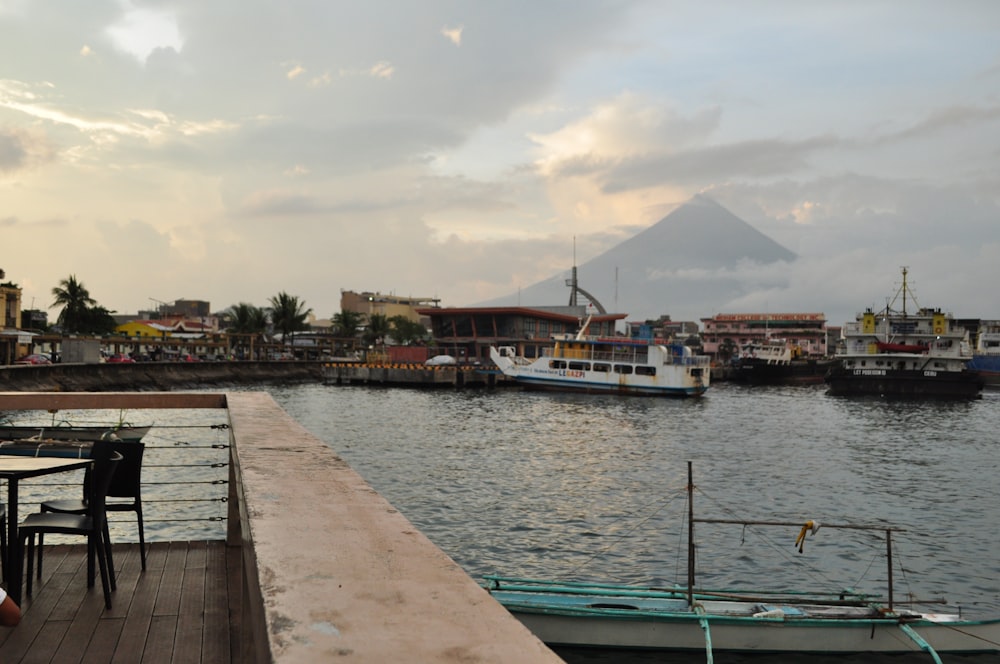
(587, 487)
(577, 487)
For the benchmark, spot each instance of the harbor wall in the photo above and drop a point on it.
(163, 376)
(152, 376)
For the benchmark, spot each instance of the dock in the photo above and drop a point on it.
(183, 608)
(316, 566)
(410, 374)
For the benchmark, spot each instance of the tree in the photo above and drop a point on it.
(75, 300)
(406, 331)
(288, 315)
(377, 329)
(347, 322)
(249, 321)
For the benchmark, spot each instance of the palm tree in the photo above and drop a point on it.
(406, 331)
(76, 302)
(288, 315)
(378, 328)
(247, 320)
(346, 324)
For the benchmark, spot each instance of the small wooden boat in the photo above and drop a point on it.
(72, 432)
(687, 618)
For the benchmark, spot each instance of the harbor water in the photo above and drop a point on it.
(583, 487)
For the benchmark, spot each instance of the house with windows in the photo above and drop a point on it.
(806, 331)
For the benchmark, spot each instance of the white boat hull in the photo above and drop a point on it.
(661, 371)
(659, 620)
(755, 634)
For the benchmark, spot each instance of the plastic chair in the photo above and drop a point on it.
(126, 483)
(92, 524)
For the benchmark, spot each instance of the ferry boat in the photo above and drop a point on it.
(609, 365)
(898, 353)
(777, 362)
(986, 355)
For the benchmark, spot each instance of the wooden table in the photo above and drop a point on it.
(14, 469)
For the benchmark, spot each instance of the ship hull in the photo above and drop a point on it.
(797, 372)
(988, 368)
(904, 383)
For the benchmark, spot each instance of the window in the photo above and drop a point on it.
(623, 369)
(557, 364)
(580, 366)
(645, 371)
(603, 368)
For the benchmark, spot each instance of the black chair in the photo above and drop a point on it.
(92, 524)
(126, 483)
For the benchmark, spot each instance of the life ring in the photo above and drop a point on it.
(938, 330)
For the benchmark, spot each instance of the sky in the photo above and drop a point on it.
(228, 151)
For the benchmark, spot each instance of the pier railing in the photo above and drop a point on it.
(329, 568)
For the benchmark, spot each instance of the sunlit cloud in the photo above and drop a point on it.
(454, 35)
(141, 31)
(320, 81)
(295, 72)
(86, 51)
(382, 70)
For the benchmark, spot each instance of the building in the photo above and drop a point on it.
(663, 328)
(10, 321)
(807, 331)
(369, 304)
(467, 333)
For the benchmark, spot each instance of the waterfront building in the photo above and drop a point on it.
(467, 333)
(369, 304)
(10, 320)
(806, 331)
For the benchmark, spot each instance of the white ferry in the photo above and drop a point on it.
(609, 365)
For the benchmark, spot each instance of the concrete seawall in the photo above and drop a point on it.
(153, 376)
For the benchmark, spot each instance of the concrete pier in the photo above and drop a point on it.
(330, 570)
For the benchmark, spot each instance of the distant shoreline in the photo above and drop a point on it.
(153, 376)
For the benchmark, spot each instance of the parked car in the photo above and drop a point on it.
(188, 358)
(36, 358)
(120, 358)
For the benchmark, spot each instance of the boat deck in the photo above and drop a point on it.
(183, 608)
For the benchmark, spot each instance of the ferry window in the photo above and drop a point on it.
(580, 366)
(645, 371)
(557, 364)
(623, 369)
(604, 368)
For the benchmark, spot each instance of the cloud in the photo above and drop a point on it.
(454, 35)
(23, 149)
(141, 31)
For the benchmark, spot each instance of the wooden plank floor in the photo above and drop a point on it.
(183, 608)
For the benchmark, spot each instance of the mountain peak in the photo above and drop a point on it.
(686, 263)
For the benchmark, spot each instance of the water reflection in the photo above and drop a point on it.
(567, 486)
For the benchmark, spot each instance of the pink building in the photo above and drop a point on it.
(808, 332)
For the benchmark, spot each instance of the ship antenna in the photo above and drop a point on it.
(904, 291)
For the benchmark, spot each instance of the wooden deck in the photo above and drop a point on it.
(183, 608)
